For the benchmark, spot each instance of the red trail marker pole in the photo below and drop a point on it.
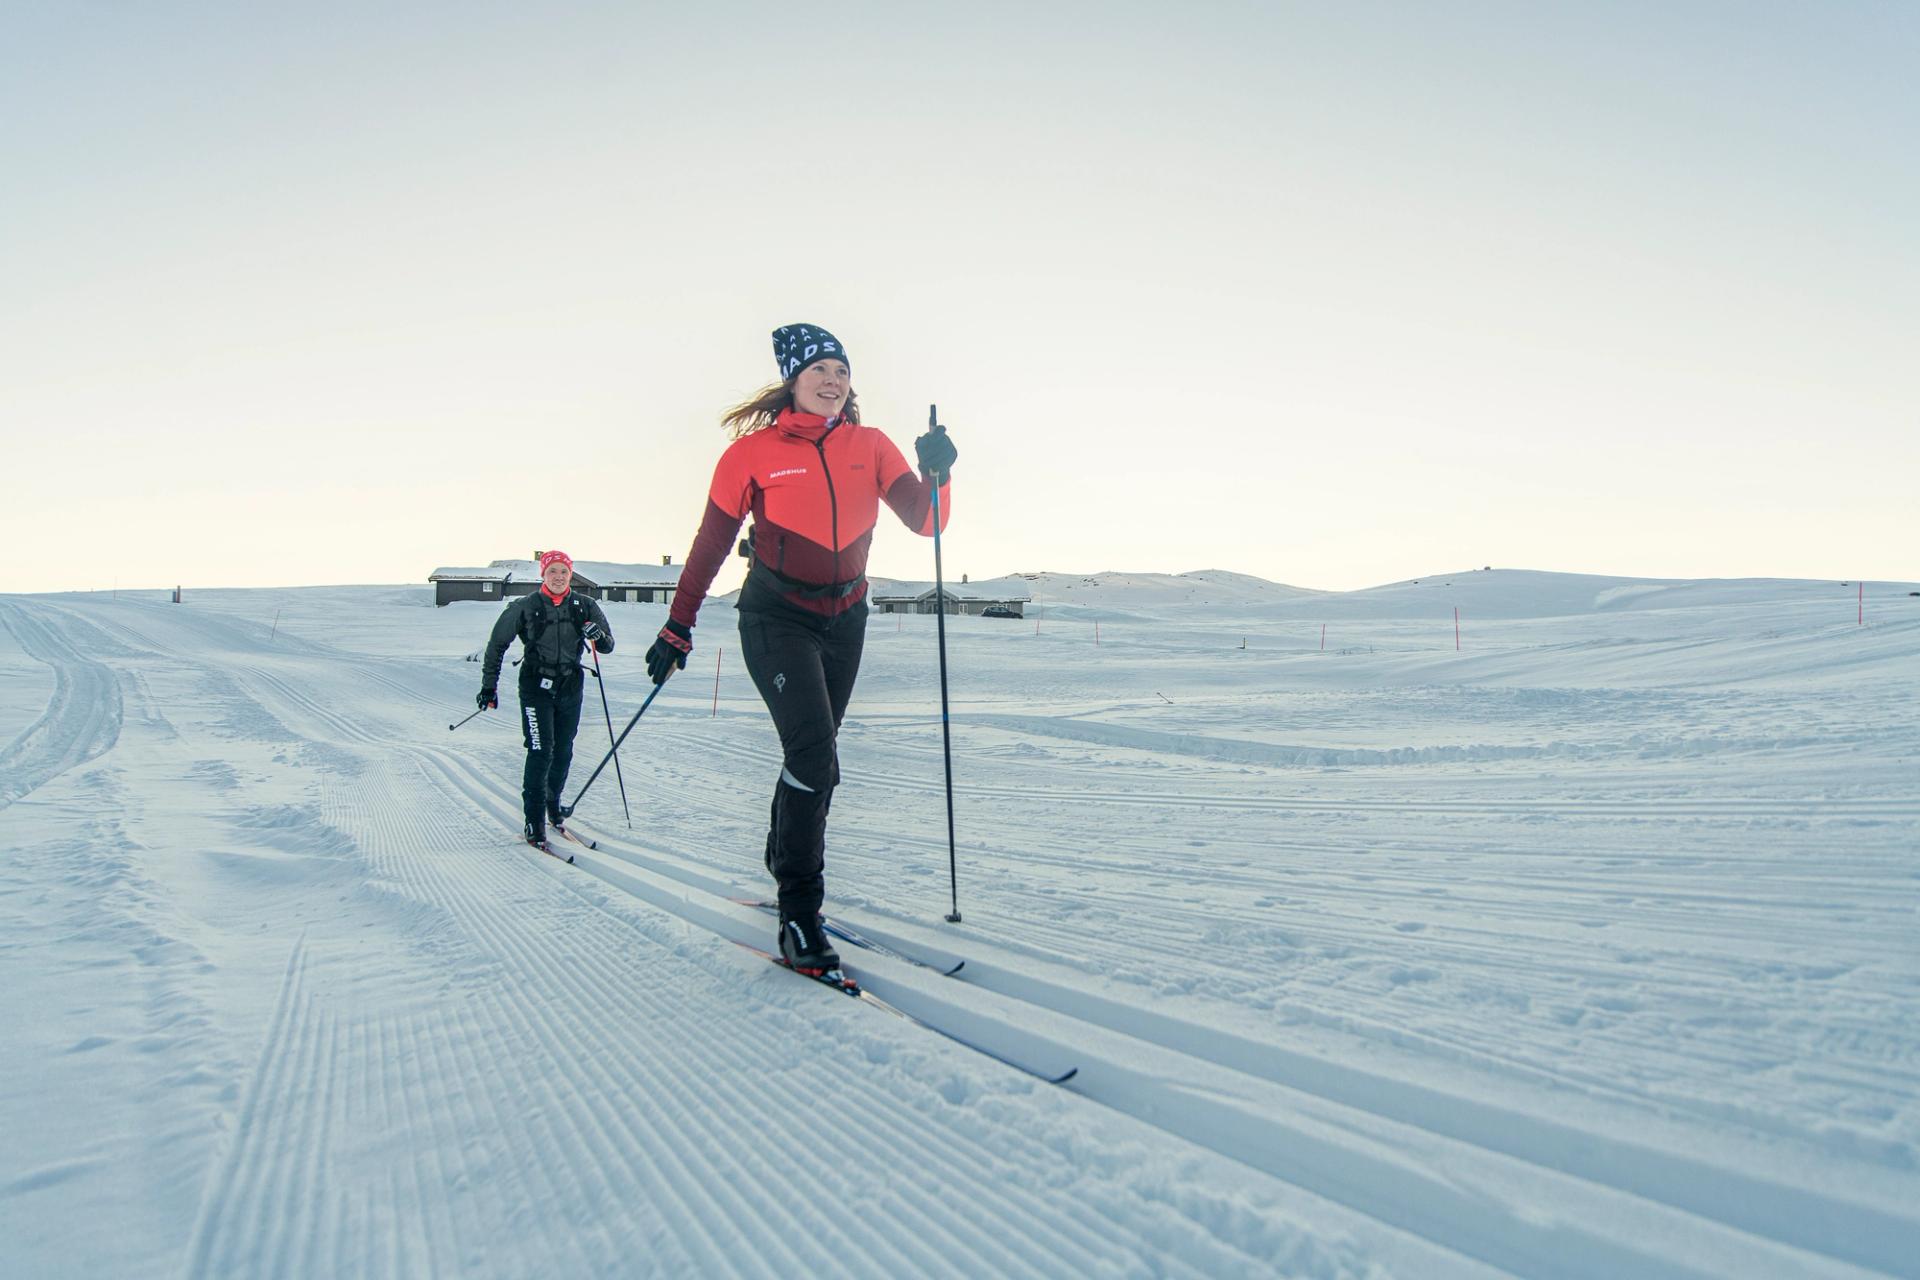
(1323, 637)
(1456, 628)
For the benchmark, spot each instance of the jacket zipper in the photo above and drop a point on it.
(833, 499)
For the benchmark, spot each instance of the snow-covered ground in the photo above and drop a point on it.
(1589, 949)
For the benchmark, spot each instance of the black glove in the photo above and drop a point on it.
(669, 650)
(936, 454)
(593, 633)
(489, 697)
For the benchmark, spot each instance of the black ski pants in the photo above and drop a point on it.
(549, 718)
(804, 669)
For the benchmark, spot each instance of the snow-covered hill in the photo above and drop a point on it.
(1583, 949)
(1215, 587)
(1478, 593)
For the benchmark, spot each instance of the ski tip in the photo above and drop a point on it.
(958, 966)
(1062, 1079)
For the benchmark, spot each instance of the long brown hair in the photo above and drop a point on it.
(763, 406)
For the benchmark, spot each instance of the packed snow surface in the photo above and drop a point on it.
(1587, 948)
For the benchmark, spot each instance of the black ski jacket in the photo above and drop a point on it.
(551, 634)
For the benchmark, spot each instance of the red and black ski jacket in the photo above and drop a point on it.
(814, 491)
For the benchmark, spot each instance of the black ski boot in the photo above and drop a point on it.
(536, 834)
(556, 819)
(804, 946)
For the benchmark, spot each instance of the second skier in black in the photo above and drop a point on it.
(554, 625)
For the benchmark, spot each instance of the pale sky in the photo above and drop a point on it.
(1332, 294)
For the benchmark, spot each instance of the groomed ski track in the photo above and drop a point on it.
(480, 1059)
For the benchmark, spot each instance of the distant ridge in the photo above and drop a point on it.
(1478, 593)
(1201, 586)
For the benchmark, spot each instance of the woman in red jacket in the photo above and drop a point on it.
(813, 478)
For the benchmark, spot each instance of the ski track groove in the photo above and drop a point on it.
(484, 1194)
(1478, 1136)
(990, 1222)
(214, 1202)
(241, 1175)
(930, 782)
(684, 1128)
(434, 1213)
(558, 1179)
(83, 715)
(563, 1043)
(749, 1075)
(512, 1011)
(294, 1222)
(1472, 1138)
(987, 1221)
(431, 1211)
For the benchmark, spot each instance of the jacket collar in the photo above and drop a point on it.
(555, 601)
(804, 426)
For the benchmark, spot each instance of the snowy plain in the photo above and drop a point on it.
(1589, 948)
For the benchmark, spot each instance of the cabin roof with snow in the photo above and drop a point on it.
(989, 589)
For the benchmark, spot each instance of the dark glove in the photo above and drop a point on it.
(489, 697)
(936, 454)
(669, 650)
(593, 633)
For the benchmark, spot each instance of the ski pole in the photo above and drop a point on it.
(566, 810)
(456, 726)
(946, 734)
(608, 712)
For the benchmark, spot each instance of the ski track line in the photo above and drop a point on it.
(518, 1021)
(558, 1180)
(247, 641)
(275, 1227)
(531, 1022)
(990, 1227)
(696, 1123)
(949, 1157)
(1747, 1203)
(238, 1178)
(83, 715)
(786, 1225)
(1491, 1057)
(310, 708)
(1669, 1185)
(1544, 981)
(914, 1198)
(1568, 976)
(930, 782)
